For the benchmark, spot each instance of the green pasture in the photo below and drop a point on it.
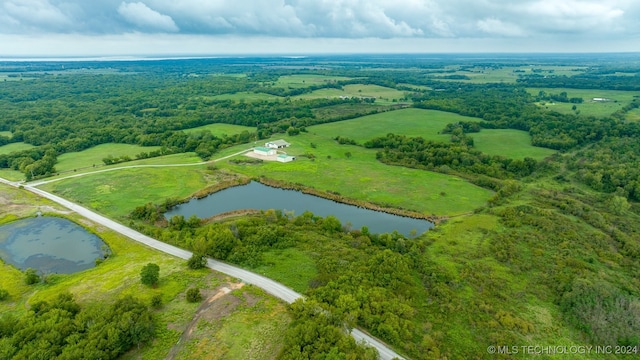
(358, 175)
(507, 74)
(306, 80)
(117, 193)
(616, 100)
(634, 115)
(383, 95)
(11, 174)
(19, 146)
(428, 124)
(410, 122)
(254, 330)
(242, 96)
(290, 266)
(93, 156)
(220, 129)
(509, 143)
(6, 134)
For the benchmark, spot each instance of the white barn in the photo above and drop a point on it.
(277, 144)
(263, 151)
(284, 158)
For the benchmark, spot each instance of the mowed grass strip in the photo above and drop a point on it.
(354, 172)
(13, 147)
(220, 129)
(93, 156)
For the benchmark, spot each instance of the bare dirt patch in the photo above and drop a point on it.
(217, 305)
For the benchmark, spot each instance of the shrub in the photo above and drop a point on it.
(4, 294)
(150, 274)
(31, 276)
(194, 295)
(156, 301)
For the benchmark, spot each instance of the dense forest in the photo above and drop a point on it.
(554, 253)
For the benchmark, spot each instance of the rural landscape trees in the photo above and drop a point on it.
(534, 187)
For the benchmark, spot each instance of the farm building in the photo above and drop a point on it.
(284, 158)
(264, 151)
(277, 144)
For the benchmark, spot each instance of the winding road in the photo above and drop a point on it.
(272, 287)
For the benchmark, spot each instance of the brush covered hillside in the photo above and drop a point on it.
(528, 167)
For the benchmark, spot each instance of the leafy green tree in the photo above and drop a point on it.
(150, 274)
(197, 261)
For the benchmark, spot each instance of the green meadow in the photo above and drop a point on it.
(19, 146)
(509, 143)
(6, 134)
(354, 172)
(634, 115)
(410, 122)
(616, 99)
(93, 156)
(428, 124)
(507, 74)
(220, 129)
(383, 95)
(117, 193)
(306, 80)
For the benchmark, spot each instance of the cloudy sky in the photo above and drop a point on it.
(209, 27)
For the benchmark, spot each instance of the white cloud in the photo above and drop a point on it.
(34, 14)
(146, 18)
(557, 21)
(497, 27)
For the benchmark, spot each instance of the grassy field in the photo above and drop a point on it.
(112, 192)
(617, 98)
(9, 148)
(358, 175)
(634, 115)
(289, 266)
(410, 122)
(306, 80)
(243, 95)
(221, 129)
(93, 156)
(383, 95)
(482, 75)
(513, 144)
(12, 175)
(428, 124)
(6, 133)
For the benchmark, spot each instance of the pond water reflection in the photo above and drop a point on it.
(50, 245)
(258, 196)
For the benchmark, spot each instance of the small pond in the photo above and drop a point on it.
(261, 197)
(50, 245)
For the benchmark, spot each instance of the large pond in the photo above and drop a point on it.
(261, 197)
(50, 245)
